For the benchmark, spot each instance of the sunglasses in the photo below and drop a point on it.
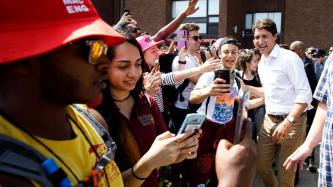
(196, 38)
(94, 48)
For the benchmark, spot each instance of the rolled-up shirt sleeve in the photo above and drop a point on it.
(298, 78)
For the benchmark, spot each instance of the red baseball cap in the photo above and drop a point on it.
(33, 27)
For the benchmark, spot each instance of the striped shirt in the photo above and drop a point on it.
(166, 79)
(323, 93)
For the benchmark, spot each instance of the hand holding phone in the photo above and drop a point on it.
(192, 121)
(181, 39)
(241, 117)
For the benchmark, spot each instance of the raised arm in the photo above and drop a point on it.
(163, 33)
(210, 65)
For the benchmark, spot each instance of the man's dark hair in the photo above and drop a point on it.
(190, 27)
(267, 24)
(229, 40)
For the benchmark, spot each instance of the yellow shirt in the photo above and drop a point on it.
(77, 153)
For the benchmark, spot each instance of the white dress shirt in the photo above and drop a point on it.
(284, 81)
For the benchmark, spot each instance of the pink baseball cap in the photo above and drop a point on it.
(147, 42)
(33, 27)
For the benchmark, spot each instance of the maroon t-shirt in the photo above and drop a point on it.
(146, 123)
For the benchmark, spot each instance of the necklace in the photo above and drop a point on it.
(121, 100)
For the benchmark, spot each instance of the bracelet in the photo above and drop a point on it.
(137, 177)
(181, 62)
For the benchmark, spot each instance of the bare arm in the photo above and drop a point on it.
(316, 131)
(163, 33)
(256, 91)
(255, 103)
(313, 138)
(210, 65)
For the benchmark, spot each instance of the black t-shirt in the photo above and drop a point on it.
(254, 82)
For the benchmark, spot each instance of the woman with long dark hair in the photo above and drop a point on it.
(248, 61)
(134, 119)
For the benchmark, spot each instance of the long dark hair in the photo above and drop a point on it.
(245, 57)
(118, 126)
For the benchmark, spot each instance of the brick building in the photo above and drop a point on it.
(305, 20)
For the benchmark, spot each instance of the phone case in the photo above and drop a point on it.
(192, 121)
(223, 74)
(181, 38)
(242, 114)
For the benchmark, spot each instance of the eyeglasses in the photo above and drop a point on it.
(95, 49)
(196, 38)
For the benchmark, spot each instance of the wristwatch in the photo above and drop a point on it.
(291, 119)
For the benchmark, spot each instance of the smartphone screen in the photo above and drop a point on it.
(192, 121)
(223, 74)
(242, 114)
(181, 39)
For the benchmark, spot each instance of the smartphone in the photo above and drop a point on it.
(127, 10)
(223, 74)
(242, 114)
(181, 39)
(192, 121)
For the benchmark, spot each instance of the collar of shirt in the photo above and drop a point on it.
(274, 53)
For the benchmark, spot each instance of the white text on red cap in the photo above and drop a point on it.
(75, 6)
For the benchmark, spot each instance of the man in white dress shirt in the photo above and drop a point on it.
(287, 96)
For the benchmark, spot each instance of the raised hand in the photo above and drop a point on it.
(152, 82)
(210, 65)
(191, 7)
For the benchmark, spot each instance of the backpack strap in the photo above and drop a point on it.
(98, 127)
(181, 88)
(19, 159)
(207, 102)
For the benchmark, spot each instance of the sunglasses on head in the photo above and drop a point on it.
(94, 48)
(196, 38)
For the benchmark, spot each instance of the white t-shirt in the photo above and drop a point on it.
(191, 62)
(220, 108)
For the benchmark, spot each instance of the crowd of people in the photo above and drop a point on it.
(83, 103)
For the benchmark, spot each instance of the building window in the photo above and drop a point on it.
(251, 18)
(207, 17)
